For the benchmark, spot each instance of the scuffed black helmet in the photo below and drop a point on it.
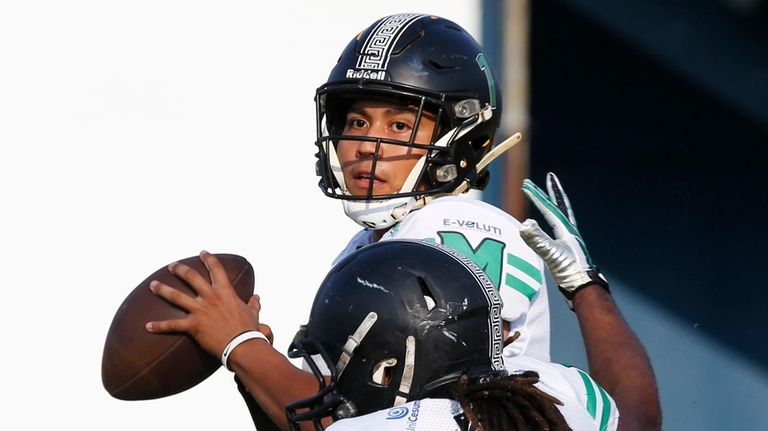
(395, 321)
(426, 62)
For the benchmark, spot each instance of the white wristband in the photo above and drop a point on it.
(245, 336)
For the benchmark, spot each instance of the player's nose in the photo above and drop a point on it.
(369, 146)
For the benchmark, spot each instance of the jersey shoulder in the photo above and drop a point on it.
(471, 217)
(466, 206)
(585, 404)
(360, 239)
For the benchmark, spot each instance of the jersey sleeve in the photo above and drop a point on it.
(585, 404)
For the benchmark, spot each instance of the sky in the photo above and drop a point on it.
(133, 134)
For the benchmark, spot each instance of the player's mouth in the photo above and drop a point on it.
(361, 181)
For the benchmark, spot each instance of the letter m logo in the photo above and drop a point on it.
(488, 255)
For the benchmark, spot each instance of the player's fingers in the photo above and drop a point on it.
(541, 201)
(558, 196)
(266, 330)
(536, 238)
(546, 207)
(215, 269)
(198, 283)
(172, 295)
(255, 303)
(163, 326)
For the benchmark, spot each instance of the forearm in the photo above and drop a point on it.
(617, 360)
(272, 380)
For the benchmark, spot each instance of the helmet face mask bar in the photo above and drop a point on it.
(427, 64)
(328, 402)
(435, 173)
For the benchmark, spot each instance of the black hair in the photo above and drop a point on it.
(509, 403)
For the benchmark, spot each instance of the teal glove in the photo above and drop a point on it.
(566, 256)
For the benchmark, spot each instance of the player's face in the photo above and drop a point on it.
(381, 119)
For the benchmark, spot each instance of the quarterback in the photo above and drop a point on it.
(406, 123)
(399, 147)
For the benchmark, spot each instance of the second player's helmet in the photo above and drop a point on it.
(395, 321)
(422, 61)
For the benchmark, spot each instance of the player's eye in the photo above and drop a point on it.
(356, 123)
(400, 126)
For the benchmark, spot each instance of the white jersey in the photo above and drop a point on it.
(490, 238)
(429, 414)
(586, 406)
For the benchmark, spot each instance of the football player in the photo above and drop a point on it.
(413, 336)
(406, 123)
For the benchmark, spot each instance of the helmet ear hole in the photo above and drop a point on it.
(429, 297)
(382, 372)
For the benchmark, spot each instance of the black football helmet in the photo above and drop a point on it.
(421, 61)
(395, 321)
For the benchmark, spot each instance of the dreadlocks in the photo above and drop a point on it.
(509, 403)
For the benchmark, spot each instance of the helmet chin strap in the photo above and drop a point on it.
(410, 364)
(379, 214)
(354, 340)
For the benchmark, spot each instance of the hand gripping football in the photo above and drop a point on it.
(139, 365)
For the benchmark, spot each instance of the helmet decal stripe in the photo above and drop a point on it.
(486, 68)
(379, 43)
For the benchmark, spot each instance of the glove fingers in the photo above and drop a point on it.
(545, 206)
(558, 196)
(536, 238)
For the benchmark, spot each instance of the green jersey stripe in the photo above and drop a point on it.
(591, 396)
(520, 286)
(525, 267)
(606, 408)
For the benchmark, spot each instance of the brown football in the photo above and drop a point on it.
(138, 365)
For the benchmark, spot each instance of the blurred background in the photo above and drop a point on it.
(653, 113)
(136, 133)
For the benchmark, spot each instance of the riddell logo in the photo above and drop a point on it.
(366, 74)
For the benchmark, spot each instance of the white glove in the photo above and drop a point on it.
(566, 257)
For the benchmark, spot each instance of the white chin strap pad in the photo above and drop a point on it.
(379, 214)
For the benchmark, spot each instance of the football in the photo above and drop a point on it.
(139, 365)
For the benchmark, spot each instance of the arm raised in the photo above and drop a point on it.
(616, 357)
